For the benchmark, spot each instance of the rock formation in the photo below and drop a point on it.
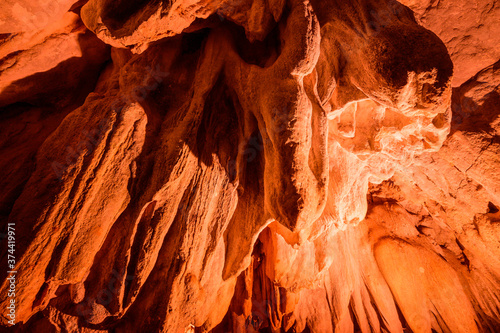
(250, 165)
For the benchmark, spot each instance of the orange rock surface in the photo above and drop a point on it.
(250, 166)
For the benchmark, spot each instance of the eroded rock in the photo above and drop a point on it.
(250, 165)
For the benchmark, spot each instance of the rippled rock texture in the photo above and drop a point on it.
(251, 165)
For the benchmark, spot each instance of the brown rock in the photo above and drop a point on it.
(250, 166)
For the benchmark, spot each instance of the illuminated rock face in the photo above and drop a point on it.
(244, 166)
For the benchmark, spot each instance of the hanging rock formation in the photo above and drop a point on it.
(251, 165)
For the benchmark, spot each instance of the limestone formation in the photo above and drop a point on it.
(250, 165)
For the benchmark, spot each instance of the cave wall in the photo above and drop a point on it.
(251, 165)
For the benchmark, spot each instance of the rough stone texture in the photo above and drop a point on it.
(470, 30)
(246, 166)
